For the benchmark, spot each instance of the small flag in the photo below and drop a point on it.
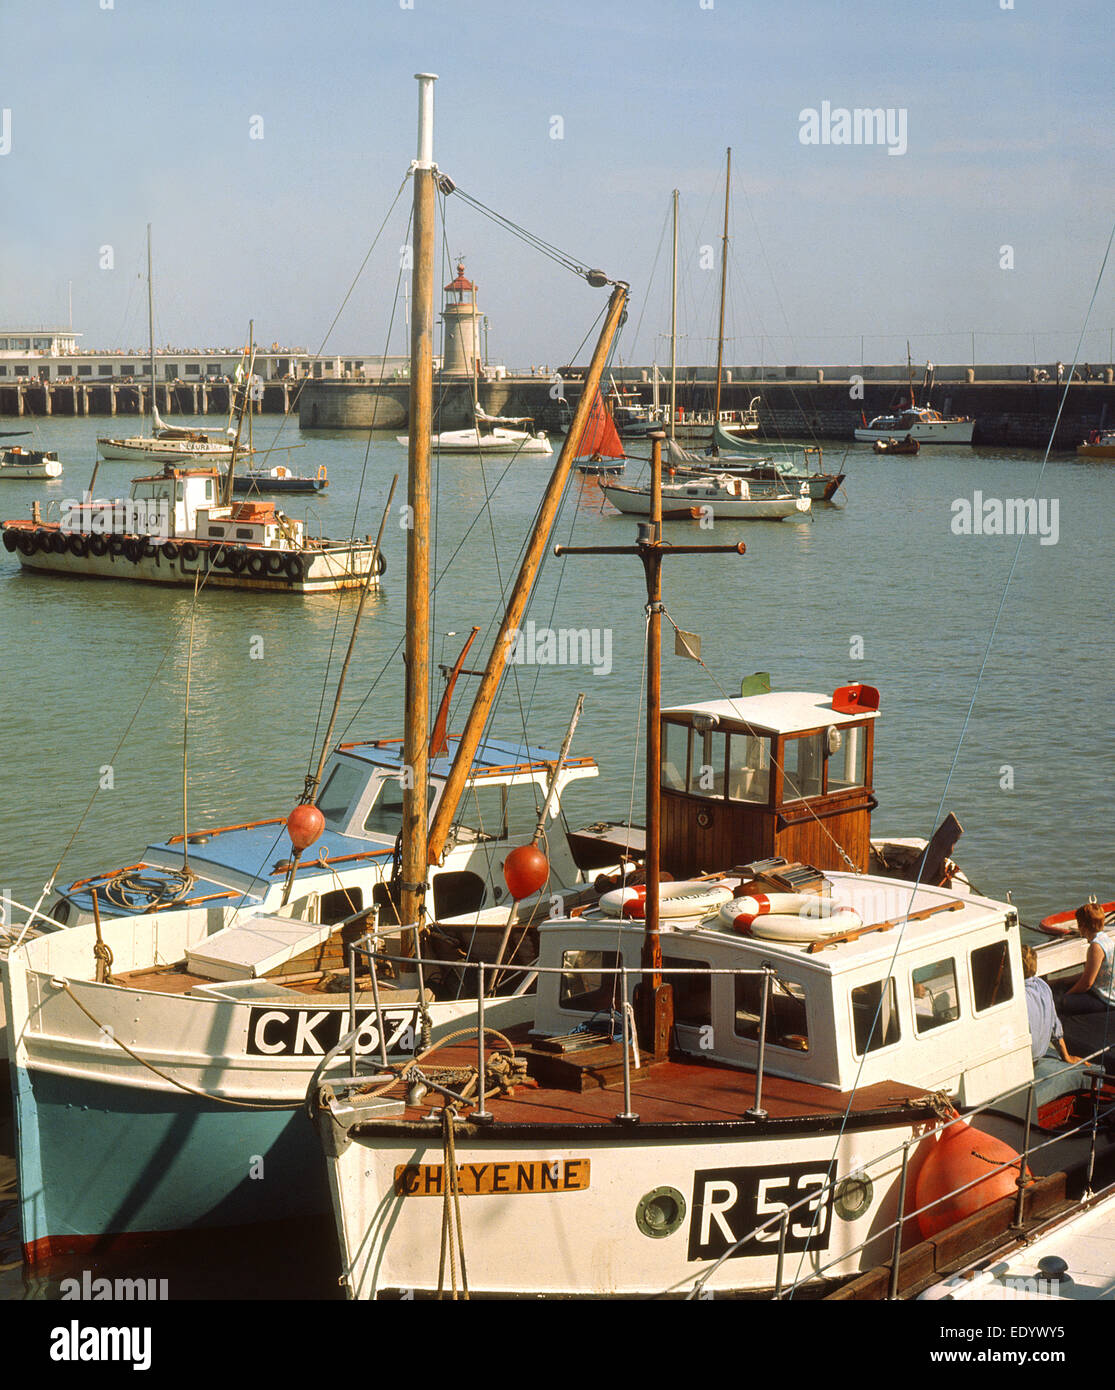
(687, 644)
(758, 684)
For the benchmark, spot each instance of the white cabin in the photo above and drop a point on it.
(937, 1003)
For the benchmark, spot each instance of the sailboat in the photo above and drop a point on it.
(600, 452)
(733, 1082)
(167, 443)
(191, 1000)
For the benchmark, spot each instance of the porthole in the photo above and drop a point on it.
(660, 1212)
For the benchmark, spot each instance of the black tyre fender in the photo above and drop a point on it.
(26, 542)
(11, 541)
(294, 567)
(189, 550)
(237, 559)
(97, 545)
(79, 545)
(116, 546)
(257, 565)
(58, 543)
(381, 562)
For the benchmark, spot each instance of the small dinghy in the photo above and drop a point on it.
(908, 445)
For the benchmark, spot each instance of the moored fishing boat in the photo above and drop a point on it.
(210, 967)
(17, 462)
(1100, 444)
(729, 1080)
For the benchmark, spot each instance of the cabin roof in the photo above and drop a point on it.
(780, 712)
(493, 756)
(875, 899)
(170, 472)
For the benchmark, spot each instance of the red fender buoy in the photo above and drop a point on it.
(304, 825)
(525, 870)
(961, 1155)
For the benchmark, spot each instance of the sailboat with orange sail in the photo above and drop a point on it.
(600, 452)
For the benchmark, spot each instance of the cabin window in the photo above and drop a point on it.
(244, 533)
(875, 1016)
(484, 812)
(787, 1017)
(386, 814)
(692, 993)
(803, 767)
(457, 892)
(675, 756)
(708, 763)
(216, 531)
(209, 489)
(847, 764)
(749, 769)
(936, 1000)
(585, 985)
(341, 903)
(991, 975)
(336, 797)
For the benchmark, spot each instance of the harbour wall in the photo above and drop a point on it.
(1009, 406)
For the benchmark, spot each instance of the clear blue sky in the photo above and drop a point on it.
(142, 113)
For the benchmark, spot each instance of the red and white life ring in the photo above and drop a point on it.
(1064, 923)
(788, 916)
(689, 898)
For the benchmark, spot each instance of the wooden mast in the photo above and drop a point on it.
(723, 292)
(674, 326)
(151, 328)
(414, 861)
(516, 605)
(655, 999)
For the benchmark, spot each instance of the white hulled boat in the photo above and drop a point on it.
(920, 424)
(17, 462)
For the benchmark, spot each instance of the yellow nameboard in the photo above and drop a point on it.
(477, 1179)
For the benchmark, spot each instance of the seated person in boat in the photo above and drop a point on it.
(1056, 1070)
(1093, 990)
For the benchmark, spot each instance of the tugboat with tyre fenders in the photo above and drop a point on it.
(175, 526)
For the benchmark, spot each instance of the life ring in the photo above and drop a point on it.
(257, 564)
(97, 544)
(79, 545)
(788, 916)
(688, 898)
(11, 541)
(294, 567)
(188, 551)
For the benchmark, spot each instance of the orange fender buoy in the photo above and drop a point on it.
(961, 1156)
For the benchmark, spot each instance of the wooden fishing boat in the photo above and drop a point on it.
(17, 462)
(730, 1080)
(210, 968)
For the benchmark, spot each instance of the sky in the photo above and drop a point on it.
(267, 141)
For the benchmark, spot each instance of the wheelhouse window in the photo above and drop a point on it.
(675, 756)
(749, 768)
(936, 1000)
(386, 814)
(787, 1015)
(708, 761)
(337, 794)
(992, 982)
(586, 984)
(875, 1016)
(848, 762)
(803, 767)
(497, 812)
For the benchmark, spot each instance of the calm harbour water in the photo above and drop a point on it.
(880, 572)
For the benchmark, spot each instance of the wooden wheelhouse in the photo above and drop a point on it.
(776, 775)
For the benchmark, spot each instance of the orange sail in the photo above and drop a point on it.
(600, 439)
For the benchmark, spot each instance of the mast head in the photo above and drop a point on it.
(426, 82)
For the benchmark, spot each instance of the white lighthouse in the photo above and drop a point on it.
(462, 326)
